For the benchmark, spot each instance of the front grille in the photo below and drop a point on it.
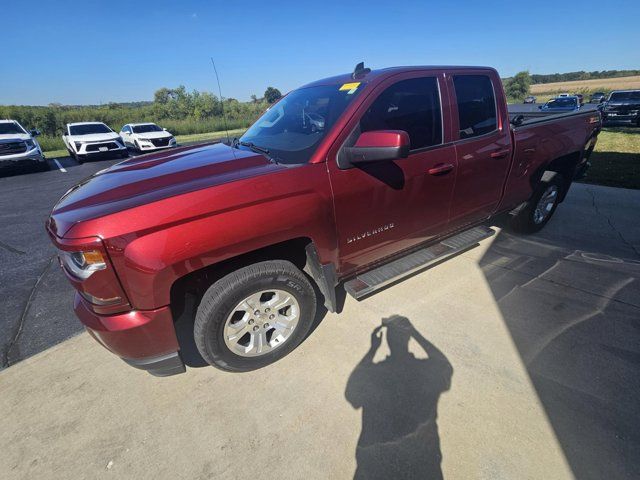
(160, 142)
(11, 148)
(95, 147)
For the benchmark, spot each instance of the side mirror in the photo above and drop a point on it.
(35, 132)
(164, 129)
(379, 146)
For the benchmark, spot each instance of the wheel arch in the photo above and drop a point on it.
(565, 166)
(301, 251)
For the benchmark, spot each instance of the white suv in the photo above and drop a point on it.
(146, 137)
(92, 139)
(19, 147)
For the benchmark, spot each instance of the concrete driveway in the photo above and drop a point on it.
(516, 360)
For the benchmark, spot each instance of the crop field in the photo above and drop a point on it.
(587, 86)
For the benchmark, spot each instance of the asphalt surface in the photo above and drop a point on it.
(517, 359)
(35, 298)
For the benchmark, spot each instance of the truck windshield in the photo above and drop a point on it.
(292, 128)
(88, 129)
(624, 96)
(151, 127)
(10, 128)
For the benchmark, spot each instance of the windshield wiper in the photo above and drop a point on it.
(255, 148)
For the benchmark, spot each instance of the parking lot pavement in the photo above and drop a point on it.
(516, 359)
(34, 297)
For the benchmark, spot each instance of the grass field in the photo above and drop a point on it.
(615, 161)
(587, 86)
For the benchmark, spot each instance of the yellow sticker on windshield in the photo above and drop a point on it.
(351, 87)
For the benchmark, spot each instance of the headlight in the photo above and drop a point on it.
(83, 264)
(78, 145)
(148, 140)
(30, 144)
(172, 140)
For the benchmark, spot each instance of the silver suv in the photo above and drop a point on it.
(19, 147)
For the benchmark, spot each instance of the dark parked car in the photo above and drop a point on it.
(597, 97)
(623, 106)
(561, 104)
(530, 99)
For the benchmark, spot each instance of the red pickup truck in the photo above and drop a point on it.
(349, 182)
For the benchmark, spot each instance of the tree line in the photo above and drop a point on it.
(581, 75)
(177, 109)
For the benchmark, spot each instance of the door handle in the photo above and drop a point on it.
(440, 169)
(499, 153)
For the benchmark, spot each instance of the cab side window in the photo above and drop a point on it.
(476, 105)
(411, 105)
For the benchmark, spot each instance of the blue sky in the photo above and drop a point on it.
(81, 52)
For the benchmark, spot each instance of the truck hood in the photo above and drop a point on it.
(94, 137)
(152, 177)
(16, 137)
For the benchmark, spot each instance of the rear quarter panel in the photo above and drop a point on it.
(537, 145)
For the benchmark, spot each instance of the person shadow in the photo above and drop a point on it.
(399, 401)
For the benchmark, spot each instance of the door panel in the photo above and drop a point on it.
(382, 208)
(483, 149)
(386, 207)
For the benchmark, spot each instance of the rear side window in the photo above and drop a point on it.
(411, 105)
(476, 105)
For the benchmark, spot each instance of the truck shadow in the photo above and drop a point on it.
(399, 401)
(574, 317)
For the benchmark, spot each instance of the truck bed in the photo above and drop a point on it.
(532, 113)
(541, 138)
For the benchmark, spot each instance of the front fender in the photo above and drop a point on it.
(148, 263)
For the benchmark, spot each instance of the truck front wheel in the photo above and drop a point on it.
(254, 316)
(541, 206)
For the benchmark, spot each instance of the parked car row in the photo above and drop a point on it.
(622, 106)
(85, 140)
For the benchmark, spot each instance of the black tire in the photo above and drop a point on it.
(525, 220)
(223, 296)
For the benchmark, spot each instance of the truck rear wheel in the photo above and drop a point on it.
(541, 207)
(254, 316)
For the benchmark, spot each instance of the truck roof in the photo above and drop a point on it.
(389, 71)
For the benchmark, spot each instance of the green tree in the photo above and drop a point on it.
(517, 87)
(272, 95)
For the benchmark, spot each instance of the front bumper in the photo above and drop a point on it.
(145, 339)
(30, 157)
(149, 147)
(608, 117)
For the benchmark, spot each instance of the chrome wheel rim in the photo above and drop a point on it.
(261, 323)
(545, 204)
